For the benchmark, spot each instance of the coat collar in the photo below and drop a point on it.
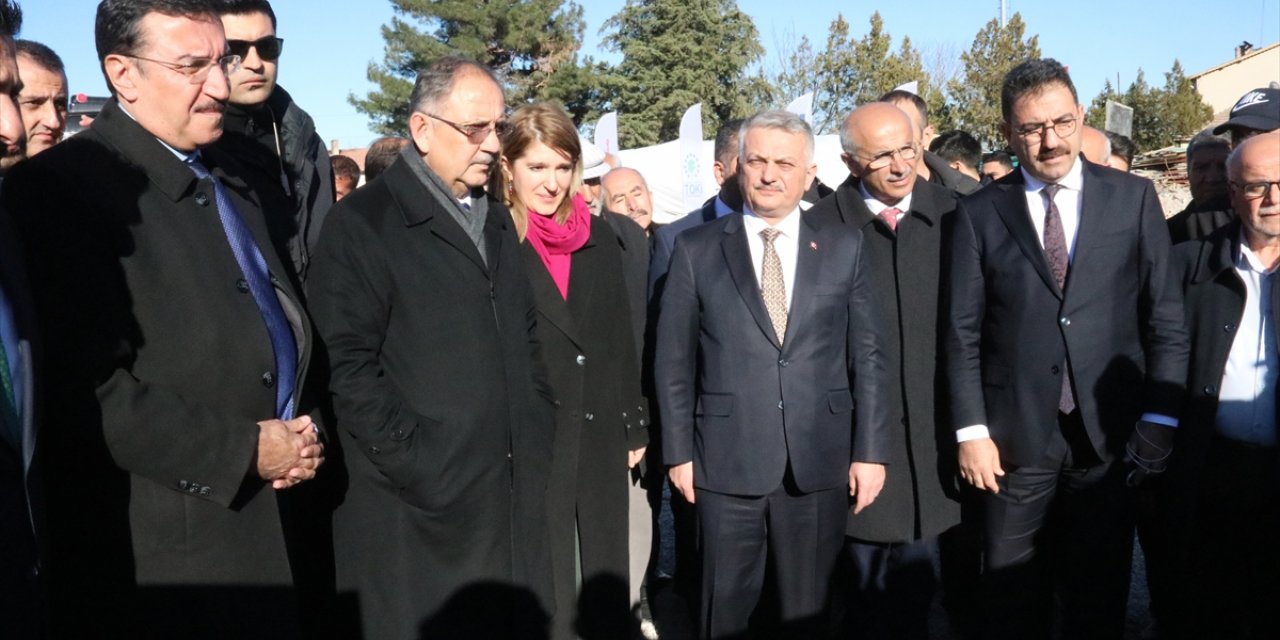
(925, 202)
(808, 266)
(1217, 253)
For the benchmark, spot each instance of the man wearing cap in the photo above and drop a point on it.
(267, 131)
(1257, 111)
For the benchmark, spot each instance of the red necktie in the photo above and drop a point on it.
(890, 217)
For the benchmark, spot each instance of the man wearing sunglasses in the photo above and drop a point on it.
(269, 132)
(1224, 493)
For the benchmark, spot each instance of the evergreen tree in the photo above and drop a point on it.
(528, 42)
(676, 53)
(1161, 115)
(976, 94)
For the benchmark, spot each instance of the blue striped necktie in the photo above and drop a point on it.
(254, 267)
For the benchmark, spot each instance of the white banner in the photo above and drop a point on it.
(691, 178)
(607, 134)
(909, 87)
(803, 107)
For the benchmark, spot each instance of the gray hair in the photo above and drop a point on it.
(437, 78)
(780, 121)
(1206, 141)
(846, 137)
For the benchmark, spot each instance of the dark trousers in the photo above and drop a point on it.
(1231, 589)
(893, 587)
(1060, 529)
(798, 534)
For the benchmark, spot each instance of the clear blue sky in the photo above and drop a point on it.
(328, 45)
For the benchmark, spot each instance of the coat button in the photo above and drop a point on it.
(268, 379)
(242, 285)
(374, 450)
(202, 199)
(779, 404)
(1055, 369)
(643, 422)
(1229, 327)
(903, 421)
(783, 363)
(1210, 390)
(397, 434)
(581, 360)
(205, 491)
(589, 417)
(1064, 321)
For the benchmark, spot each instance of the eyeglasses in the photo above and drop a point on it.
(885, 158)
(1032, 133)
(1255, 190)
(477, 131)
(197, 71)
(269, 47)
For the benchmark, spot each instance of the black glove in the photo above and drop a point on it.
(1148, 449)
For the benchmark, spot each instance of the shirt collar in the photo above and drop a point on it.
(182, 155)
(789, 226)
(1074, 180)
(876, 206)
(1247, 260)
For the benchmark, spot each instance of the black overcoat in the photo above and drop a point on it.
(441, 407)
(920, 496)
(588, 347)
(164, 368)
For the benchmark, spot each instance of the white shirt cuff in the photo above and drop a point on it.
(1160, 419)
(972, 433)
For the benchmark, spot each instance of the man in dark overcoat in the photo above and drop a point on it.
(177, 416)
(445, 419)
(1223, 491)
(893, 546)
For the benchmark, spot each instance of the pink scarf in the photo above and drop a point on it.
(555, 242)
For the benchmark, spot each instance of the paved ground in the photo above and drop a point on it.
(671, 611)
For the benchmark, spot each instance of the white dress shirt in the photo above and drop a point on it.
(876, 206)
(786, 244)
(1247, 394)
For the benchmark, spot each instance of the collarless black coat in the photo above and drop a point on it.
(441, 404)
(164, 368)
(589, 351)
(919, 498)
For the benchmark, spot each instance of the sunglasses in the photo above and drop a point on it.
(269, 48)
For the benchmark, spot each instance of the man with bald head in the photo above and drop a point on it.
(624, 190)
(1224, 487)
(1095, 146)
(893, 544)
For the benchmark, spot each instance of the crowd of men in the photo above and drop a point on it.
(932, 402)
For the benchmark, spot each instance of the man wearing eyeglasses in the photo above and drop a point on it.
(179, 416)
(267, 131)
(1066, 361)
(1224, 491)
(443, 409)
(892, 546)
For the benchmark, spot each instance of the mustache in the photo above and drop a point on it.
(484, 158)
(211, 106)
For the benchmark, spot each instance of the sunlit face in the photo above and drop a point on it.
(882, 137)
(1259, 162)
(255, 80)
(540, 178)
(462, 161)
(342, 187)
(12, 133)
(775, 171)
(43, 100)
(627, 193)
(1033, 131)
(163, 99)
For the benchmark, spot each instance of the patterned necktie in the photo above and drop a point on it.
(890, 217)
(254, 267)
(9, 419)
(1055, 250)
(772, 287)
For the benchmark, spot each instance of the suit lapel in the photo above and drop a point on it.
(582, 280)
(808, 266)
(417, 206)
(738, 258)
(550, 304)
(1095, 194)
(1011, 206)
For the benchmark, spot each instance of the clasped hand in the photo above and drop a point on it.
(289, 451)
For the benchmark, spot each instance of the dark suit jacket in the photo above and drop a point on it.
(919, 496)
(22, 528)
(741, 405)
(1118, 327)
(941, 174)
(1205, 272)
(441, 402)
(164, 369)
(664, 242)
